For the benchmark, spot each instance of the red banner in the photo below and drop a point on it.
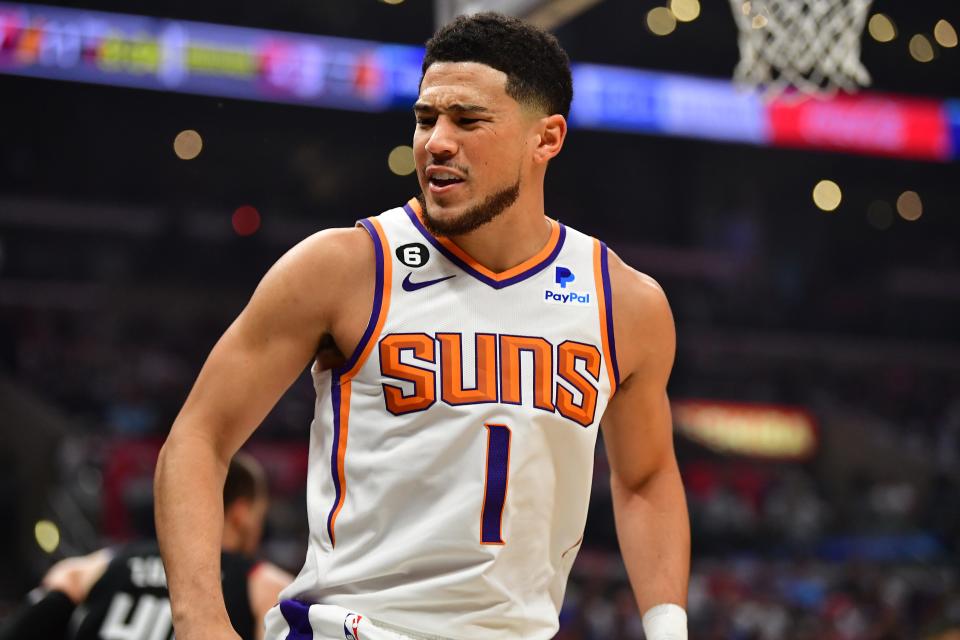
(865, 123)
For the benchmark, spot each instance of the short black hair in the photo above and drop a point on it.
(245, 479)
(537, 67)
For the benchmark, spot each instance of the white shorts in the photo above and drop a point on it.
(297, 620)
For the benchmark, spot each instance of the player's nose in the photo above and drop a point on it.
(442, 142)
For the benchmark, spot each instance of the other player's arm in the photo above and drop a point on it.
(65, 585)
(263, 589)
(649, 504)
(254, 362)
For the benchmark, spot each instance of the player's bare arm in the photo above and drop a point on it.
(76, 576)
(304, 308)
(648, 498)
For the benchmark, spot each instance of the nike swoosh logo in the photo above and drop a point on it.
(409, 285)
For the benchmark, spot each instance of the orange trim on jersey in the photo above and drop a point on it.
(341, 456)
(503, 275)
(602, 306)
(384, 304)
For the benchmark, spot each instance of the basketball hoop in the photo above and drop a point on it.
(812, 46)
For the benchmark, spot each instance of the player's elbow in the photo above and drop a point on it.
(650, 480)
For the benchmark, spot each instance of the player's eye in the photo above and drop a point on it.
(469, 121)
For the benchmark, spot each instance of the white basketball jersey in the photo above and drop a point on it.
(451, 456)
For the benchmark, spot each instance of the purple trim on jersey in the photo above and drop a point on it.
(377, 300)
(296, 614)
(334, 471)
(608, 302)
(496, 284)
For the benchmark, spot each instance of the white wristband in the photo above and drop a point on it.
(665, 622)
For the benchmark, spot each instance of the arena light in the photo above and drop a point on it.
(401, 160)
(945, 34)
(827, 195)
(661, 21)
(47, 535)
(685, 10)
(910, 206)
(754, 430)
(188, 144)
(245, 220)
(921, 49)
(881, 28)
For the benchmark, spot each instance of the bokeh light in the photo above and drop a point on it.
(827, 195)
(945, 34)
(401, 160)
(661, 21)
(921, 48)
(47, 535)
(246, 220)
(910, 206)
(188, 144)
(881, 28)
(685, 10)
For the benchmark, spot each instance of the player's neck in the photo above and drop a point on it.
(514, 236)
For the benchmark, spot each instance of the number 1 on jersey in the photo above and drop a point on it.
(495, 485)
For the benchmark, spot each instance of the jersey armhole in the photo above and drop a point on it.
(381, 300)
(601, 274)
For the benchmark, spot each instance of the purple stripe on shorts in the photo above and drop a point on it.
(296, 614)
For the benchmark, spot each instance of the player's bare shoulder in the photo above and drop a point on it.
(330, 272)
(331, 259)
(643, 322)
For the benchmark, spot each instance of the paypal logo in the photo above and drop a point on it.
(558, 297)
(564, 276)
(565, 295)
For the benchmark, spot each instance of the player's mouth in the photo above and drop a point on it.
(442, 181)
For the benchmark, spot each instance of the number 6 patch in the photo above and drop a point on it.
(413, 254)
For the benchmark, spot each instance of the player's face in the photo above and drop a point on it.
(470, 145)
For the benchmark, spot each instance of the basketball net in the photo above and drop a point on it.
(812, 46)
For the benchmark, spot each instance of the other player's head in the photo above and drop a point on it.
(494, 98)
(244, 504)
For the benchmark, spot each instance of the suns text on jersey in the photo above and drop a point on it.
(434, 368)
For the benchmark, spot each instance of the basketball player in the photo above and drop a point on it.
(122, 594)
(465, 349)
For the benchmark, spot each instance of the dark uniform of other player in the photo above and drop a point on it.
(122, 594)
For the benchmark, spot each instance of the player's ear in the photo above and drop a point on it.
(552, 133)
